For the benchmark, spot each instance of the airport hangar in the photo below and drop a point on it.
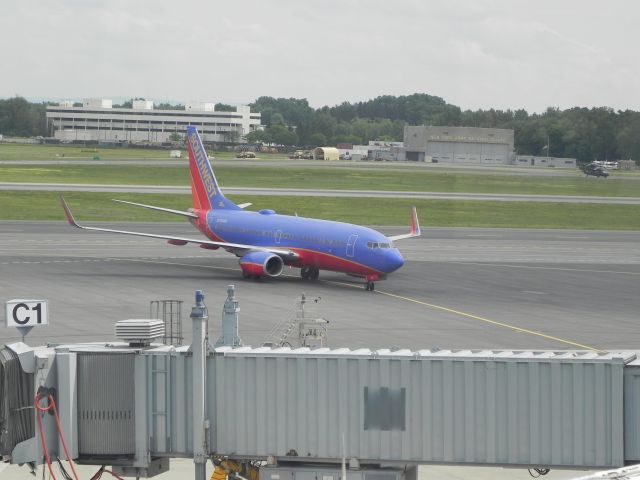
(98, 121)
(458, 146)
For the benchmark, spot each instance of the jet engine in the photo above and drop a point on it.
(258, 264)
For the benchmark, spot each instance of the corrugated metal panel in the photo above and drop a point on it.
(106, 420)
(493, 407)
(329, 472)
(632, 413)
(16, 396)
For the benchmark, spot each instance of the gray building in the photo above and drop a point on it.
(535, 161)
(459, 145)
(97, 120)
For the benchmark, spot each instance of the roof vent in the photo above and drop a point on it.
(139, 332)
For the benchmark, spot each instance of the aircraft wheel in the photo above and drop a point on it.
(370, 286)
(314, 274)
(305, 272)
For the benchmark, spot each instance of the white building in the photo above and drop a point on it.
(97, 120)
(375, 150)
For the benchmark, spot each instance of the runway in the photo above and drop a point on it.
(460, 288)
(314, 192)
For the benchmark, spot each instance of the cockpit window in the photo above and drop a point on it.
(379, 245)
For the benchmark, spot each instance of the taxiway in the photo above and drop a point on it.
(460, 287)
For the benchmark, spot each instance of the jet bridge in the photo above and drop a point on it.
(131, 405)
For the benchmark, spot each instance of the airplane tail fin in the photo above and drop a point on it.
(205, 192)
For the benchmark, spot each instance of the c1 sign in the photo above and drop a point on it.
(27, 313)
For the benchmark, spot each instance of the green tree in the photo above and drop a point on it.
(628, 139)
(20, 118)
(257, 136)
(281, 135)
(168, 106)
(223, 107)
(325, 124)
(318, 140)
(277, 119)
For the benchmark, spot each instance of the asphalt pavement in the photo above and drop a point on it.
(461, 288)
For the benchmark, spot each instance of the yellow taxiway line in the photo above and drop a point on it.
(477, 317)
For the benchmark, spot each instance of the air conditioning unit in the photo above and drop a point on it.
(139, 331)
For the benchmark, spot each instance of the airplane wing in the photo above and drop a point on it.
(415, 228)
(236, 248)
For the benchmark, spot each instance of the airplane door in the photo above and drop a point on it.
(278, 236)
(351, 243)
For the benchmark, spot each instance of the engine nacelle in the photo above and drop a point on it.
(258, 264)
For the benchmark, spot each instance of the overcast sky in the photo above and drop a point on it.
(474, 54)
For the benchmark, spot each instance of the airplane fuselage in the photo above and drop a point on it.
(321, 244)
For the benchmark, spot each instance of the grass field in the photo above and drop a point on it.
(330, 178)
(438, 213)
(57, 152)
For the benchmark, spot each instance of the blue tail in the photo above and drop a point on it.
(205, 192)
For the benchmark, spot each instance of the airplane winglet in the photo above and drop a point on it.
(414, 230)
(67, 212)
(415, 225)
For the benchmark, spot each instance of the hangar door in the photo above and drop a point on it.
(469, 153)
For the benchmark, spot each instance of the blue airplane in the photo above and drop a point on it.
(265, 241)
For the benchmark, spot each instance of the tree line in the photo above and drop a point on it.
(582, 133)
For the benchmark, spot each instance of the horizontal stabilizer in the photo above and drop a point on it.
(160, 209)
(245, 205)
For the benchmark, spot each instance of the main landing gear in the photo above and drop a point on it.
(310, 273)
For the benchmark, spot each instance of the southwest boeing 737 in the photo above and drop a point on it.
(265, 242)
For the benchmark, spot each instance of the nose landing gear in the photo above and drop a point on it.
(370, 285)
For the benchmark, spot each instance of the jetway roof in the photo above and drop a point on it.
(625, 356)
(628, 357)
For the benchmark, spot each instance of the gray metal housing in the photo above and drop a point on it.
(512, 408)
(465, 407)
(324, 472)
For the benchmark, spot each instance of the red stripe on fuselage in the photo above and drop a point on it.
(326, 261)
(307, 258)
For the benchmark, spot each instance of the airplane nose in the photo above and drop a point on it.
(394, 261)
